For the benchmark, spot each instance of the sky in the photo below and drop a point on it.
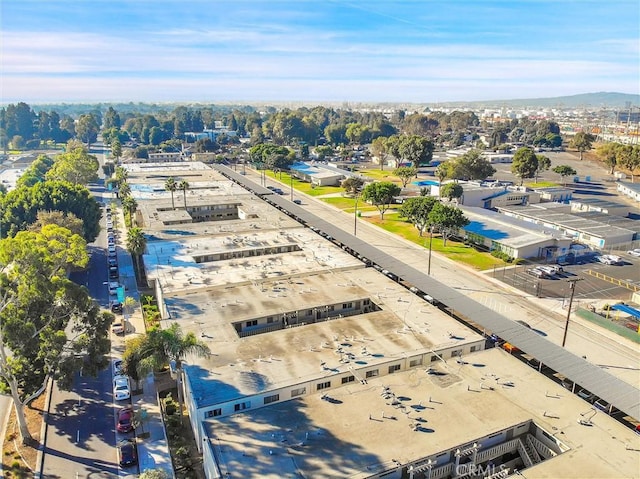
(414, 51)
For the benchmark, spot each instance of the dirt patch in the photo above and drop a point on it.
(19, 460)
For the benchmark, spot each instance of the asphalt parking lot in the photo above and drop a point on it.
(596, 280)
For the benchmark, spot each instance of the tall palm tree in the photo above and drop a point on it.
(184, 186)
(166, 346)
(136, 244)
(172, 186)
(129, 205)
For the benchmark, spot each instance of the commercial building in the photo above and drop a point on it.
(324, 367)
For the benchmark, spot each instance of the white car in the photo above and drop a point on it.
(634, 252)
(117, 368)
(113, 287)
(121, 388)
(609, 259)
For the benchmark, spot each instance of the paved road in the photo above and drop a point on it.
(548, 316)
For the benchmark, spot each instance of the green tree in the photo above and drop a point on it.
(447, 219)
(171, 186)
(136, 245)
(608, 153)
(352, 185)
(564, 171)
(20, 207)
(416, 149)
(417, 211)
(380, 149)
(582, 142)
(184, 186)
(161, 347)
(76, 166)
(323, 151)
(129, 206)
(87, 129)
(154, 474)
(525, 164)
(544, 163)
(451, 191)
(116, 149)
(380, 194)
(629, 159)
(64, 220)
(36, 172)
(472, 166)
(406, 174)
(49, 326)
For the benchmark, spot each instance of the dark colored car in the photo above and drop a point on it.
(116, 308)
(125, 420)
(113, 261)
(127, 453)
(113, 272)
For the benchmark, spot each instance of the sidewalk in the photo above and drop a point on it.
(153, 449)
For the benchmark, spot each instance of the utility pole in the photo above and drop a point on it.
(572, 287)
(355, 217)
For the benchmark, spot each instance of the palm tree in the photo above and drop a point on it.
(165, 346)
(136, 244)
(172, 186)
(129, 205)
(184, 186)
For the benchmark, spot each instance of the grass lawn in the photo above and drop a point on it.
(378, 175)
(303, 186)
(541, 184)
(453, 250)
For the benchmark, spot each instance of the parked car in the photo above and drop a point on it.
(297, 202)
(112, 261)
(127, 453)
(125, 420)
(112, 249)
(117, 367)
(116, 307)
(119, 328)
(538, 273)
(113, 287)
(121, 388)
(609, 259)
(113, 272)
(634, 252)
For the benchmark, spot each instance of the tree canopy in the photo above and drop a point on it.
(417, 211)
(470, 166)
(20, 207)
(50, 327)
(380, 194)
(406, 174)
(582, 142)
(525, 164)
(451, 191)
(564, 171)
(76, 166)
(447, 219)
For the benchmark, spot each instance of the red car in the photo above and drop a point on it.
(125, 420)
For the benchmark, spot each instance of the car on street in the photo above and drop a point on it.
(297, 202)
(119, 327)
(125, 420)
(112, 261)
(112, 249)
(127, 453)
(113, 272)
(117, 367)
(634, 252)
(113, 287)
(538, 273)
(121, 388)
(116, 307)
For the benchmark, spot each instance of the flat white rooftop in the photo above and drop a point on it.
(404, 325)
(358, 432)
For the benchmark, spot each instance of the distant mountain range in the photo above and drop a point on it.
(584, 100)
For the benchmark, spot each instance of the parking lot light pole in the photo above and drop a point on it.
(430, 244)
(572, 287)
(355, 217)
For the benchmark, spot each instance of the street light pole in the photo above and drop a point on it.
(572, 287)
(291, 179)
(355, 218)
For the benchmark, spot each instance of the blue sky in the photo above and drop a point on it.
(316, 50)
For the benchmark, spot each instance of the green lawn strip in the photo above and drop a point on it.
(303, 186)
(454, 250)
(542, 184)
(378, 175)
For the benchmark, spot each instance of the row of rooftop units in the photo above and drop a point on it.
(492, 339)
